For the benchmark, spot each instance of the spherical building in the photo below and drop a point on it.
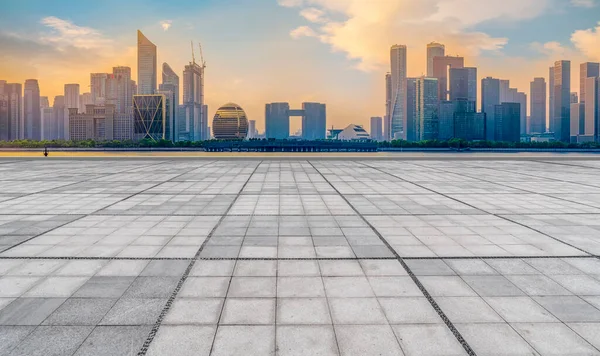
(230, 122)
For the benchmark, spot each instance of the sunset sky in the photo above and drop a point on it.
(330, 51)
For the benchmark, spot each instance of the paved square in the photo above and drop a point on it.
(274, 256)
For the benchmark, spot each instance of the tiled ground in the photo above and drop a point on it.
(295, 257)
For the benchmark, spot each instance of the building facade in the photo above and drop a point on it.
(537, 100)
(71, 94)
(150, 117)
(592, 107)
(388, 106)
(521, 98)
(98, 88)
(434, 49)
(376, 128)
(314, 121)
(190, 120)
(170, 82)
(32, 123)
(463, 83)
(100, 123)
(146, 62)
(441, 67)
(587, 70)
(427, 108)
(398, 114)
(508, 122)
(577, 126)
(411, 109)
(277, 120)
(230, 122)
(562, 102)
(490, 97)
(551, 100)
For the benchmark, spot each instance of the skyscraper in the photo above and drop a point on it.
(562, 96)
(434, 49)
(441, 66)
(398, 103)
(411, 109)
(193, 98)
(505, 95)
(61, 117)
(120, 90)
(98, 87)
(11, 121)
(577, 125)
(314, 121)
(490, 97)
(427, 108)
(586, 70)
(592, 107)
(147, 71)
(149, 117)
(507, 117)
(388, 105)
(32, 123)
(537, 100)
(376, 128)
(521, 98)
(551, 99)
(277, 120)
(574, 98)
(85, 99)
(463, 83)
(468, 124)
(251, 129)
(72, 96)
(170, 87)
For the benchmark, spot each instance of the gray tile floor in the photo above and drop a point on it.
(294, 257)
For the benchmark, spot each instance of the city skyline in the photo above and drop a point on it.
(335, 73)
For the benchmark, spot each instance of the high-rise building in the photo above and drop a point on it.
(147, 71)
(230, 122)
(490, 97)
(463, 83)
(562, 96)
(508, 125)
(98, 88)
(577, 126)
(398, 126)
(170, 110)
(120, 90)
(446, 120)
(521, 98)
(441, 66)
(376, 128)
(537, 100)
(149, 117)
(426, 108)
(252, 133)
(99, 123)
(314, 121)
(44, 102)
(205, 127)
(85, 99)
(411, 109)
(11, 100)
(72, 96)
(586, 70)
(468, 124)
(551, 99)
(190, 121)
(277, 120)
(61, 118)
(32, 123)
(388, 106)
(505, 95)
(170, 82)
(574, 98)
(592, 107)
(434, 49)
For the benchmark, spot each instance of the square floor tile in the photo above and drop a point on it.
(416, 310)
(53, 340)
(256, 340)
(554, 339)
(426, 340)
(303, 311)
(182, 340)
(114, 340)
(194, 311)
(356, 311)
(134, 311)
(80, 311)
(29, 311)
(301, 340)
(489, 339)
(361, 340)
(249, 311)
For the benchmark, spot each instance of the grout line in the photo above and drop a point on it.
(414, 278)
(171, 300)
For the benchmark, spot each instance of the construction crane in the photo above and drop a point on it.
(201, 56)
(193, 57)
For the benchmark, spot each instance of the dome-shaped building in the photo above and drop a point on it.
(230, 122)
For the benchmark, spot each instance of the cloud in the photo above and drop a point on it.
(584, 3)
(588, 42)
(166, 24)
(365, 30)
(64, 34)
(303, 31)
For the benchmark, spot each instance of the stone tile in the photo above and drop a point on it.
(114, 340)
(134, 311)
(13, 286)
(588, 331)
(356, 311)
(303, 311)
(255, 269)
(554, 339)
(362, 340)
(252, 287)
(471, 267)
(182, 340)
(29, 311)
(53, 340)
(165, 268)
(520, 310)
(426, 340)
(429, 268)
(569, 308)
(300, 340)
(340, 268)
(493, 286)
(511, 266)
(537, 285)
(248, 311)
(298, 268)
(467, 310)
(394, 287)
(300, 287)
(11, 336)
(382, 268)
(152, 287)
(122, 268)
(415, 310)
(194, 311)
(494, 339)
(447, 286)
(347, 287)
(56, 287)
(80, 311)
(255, 340)
(104, 287)
(210, 268)
(205, 287)
(579, 284)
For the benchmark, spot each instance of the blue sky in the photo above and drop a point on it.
(259, 51)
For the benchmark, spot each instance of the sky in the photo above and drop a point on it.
(260, 51)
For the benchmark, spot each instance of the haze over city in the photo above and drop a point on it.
(334, 52)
